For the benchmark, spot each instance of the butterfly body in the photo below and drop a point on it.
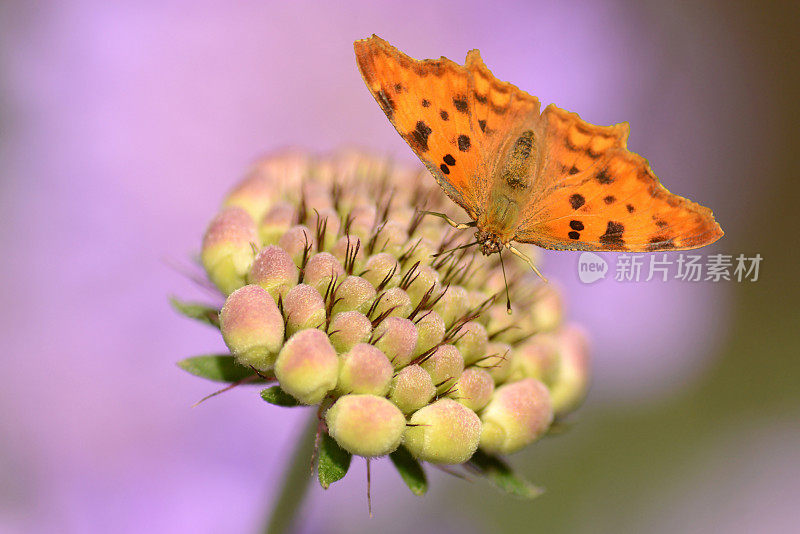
(546, 178)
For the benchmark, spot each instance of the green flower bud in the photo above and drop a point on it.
(424, 279)
(252, 327)
(412, 388)
(366, 425)
(348, 329)
(382, 269)
(295, 240)
(444, 432)
(471, 341)
(571, 383)
(255, 194)
(273, 270)
(518, 414)
(275, 222)
(473, 389)
(395, 301)
(321, 269)
(547, 310)
(430, 332)
(445, 366)
(396, 337)
(421, 250)
(391, 238)
(350, 248)
(364, 370)
(303, 308)
(497, 361)
(362, 221)
(227, 252)
(330, 220)
(453, 305)
(354, 294)
(307, 367)
(537, 358)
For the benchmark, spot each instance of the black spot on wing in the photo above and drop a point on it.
(444, 115)
(574, 235)
(482, 124)
(576, 201)
(461, 104)
(463, 143)
(609, 199)
(449, 159)
(418, 138)
(426, 103)
(614, 235)
(603, 177)
(576, 225)
(444, 168)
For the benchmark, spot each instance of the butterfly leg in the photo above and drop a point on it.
(451, 222)
(519, 254)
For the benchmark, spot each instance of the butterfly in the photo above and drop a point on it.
(549, 178)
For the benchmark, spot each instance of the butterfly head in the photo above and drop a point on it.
(489, 243)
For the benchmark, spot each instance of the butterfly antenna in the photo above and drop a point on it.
(519, 254)
(505, 281)
(442, 253)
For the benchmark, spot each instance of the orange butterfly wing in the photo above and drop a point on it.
(454, 117)
(594, 194)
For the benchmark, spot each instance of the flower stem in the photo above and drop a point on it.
(295, 483)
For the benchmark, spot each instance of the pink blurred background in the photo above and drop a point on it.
(123, 124)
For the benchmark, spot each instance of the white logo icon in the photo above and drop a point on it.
(591, 267)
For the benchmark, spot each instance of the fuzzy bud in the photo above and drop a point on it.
(445, 366)
(274, 270)
(471, 341)
(570, 385)
(412, 388)
(348, 329)
(354, 294)
(362, 220)
(444, 432)
(396, 337)
(497, 361)
(275, 222)
(430, 332)
(425, 278)
(321, 269)
(254, 194)
(473, 389)
(252, 327)
(303, 308)
(366, 425)
(382, 270)
(395, 302)
(518, 414)
(307, 366)
(350, 248)
(227, 250)
(364, 370)
(538, 358)
(453, 305)
(295, 241)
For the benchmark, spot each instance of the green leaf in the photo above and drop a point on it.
(500, 475)
(200, 312)
(217, 367)
(275, 395)
(333, 461)
(410, 470)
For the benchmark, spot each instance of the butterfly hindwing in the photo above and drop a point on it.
(616, 203)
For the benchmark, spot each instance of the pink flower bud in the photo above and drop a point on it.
(321, 269)
(425, 277)
(227, 250)
(444, 432)
(473, 389)
(571, 383)
(395, 302)
(453, 305)
(396, 337)
(349, 248)
(497, 361)
(445, 366)
(295, 241)
(307, 367)
(275, 222)
(537, 358)
(364, 370)
(471, 341)
(382, 269)
(252, 327)
(255, 194)
(348, 329)
(430, 332)
(354, 294)
(303, 308)
(366, 425)
(273, 270)
(518, 414)
(411, 389)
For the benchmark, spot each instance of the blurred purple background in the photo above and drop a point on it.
(122, 127)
